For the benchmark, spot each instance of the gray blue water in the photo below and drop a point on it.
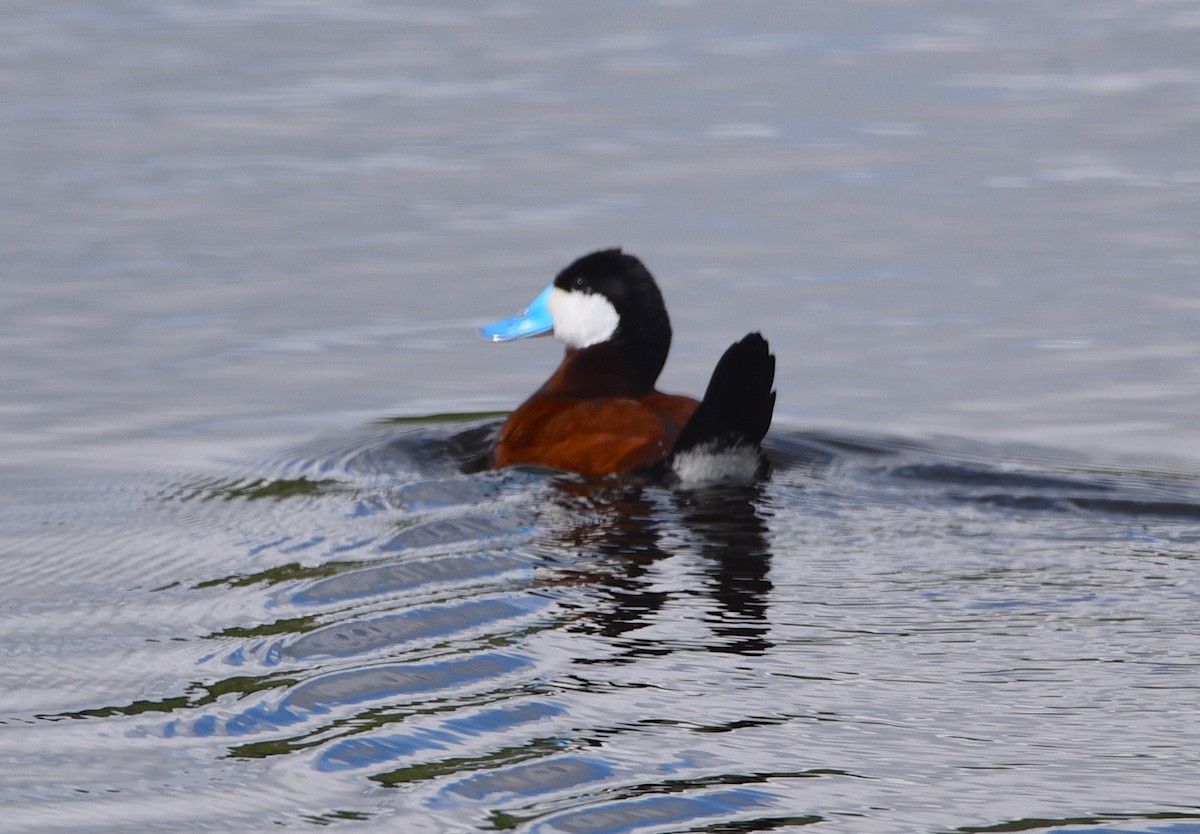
(254, 578)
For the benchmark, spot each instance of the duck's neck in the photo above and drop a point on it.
(605, 370)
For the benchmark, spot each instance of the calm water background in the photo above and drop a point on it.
(239, 240)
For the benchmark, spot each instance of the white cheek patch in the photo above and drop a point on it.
(582, 319)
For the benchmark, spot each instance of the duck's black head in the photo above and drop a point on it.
(607, 310)
(610, 298)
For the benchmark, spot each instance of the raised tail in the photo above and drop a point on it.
(721, 440)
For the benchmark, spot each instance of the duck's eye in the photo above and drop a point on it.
(578, 282)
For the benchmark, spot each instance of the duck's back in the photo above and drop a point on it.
(595, 436)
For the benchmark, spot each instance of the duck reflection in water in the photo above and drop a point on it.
(631, 529)
(618, 531)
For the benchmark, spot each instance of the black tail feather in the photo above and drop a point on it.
(738, 404)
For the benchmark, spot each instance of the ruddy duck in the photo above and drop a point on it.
(600, 415)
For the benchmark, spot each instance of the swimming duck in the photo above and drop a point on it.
(600, 414)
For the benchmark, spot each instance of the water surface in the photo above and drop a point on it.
(883, 636)
(251, 584)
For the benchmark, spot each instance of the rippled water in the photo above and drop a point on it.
(250, 584)
(884, 636)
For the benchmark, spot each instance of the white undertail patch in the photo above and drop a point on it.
(708, 464)
(582, 319)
